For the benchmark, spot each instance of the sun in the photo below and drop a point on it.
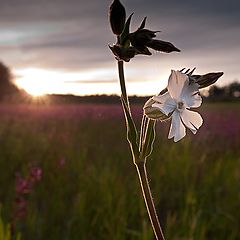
(37, 82)
(92, 81)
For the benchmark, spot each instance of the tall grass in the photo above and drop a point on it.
(88, 189)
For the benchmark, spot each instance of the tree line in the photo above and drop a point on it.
(9, 92)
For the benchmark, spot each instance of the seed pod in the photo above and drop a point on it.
(117, 17)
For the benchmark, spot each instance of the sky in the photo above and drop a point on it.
(59, 46)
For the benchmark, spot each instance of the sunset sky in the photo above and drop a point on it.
(59, 46)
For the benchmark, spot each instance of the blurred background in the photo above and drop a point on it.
(65, 167)
(62, 47)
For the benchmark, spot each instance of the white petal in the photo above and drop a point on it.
(167, 107)
(190, 95)
(177, 129)
(192, 120)
(161, 98)
(176, 82)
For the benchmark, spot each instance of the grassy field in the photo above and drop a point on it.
(66, 174)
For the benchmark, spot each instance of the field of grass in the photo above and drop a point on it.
(66, 174)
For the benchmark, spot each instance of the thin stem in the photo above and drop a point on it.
(140, 164)
(142, 132)
(142, 174)
(122, 82)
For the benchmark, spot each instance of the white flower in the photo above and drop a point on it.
(180, 97)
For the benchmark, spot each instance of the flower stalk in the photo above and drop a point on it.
(172, 103)
(140, 153)
(122, 82)
(142, 174)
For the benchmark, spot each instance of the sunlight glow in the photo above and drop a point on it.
(38, 82)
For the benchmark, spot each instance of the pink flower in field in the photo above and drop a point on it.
(22, 185)
(176, 102)
(36, 173)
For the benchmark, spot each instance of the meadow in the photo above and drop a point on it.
(66, 174)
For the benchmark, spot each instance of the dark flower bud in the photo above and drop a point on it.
(141, 36)
(162, 46)
(206, 79)
(143, 50)
(123, 54)
(117, 17)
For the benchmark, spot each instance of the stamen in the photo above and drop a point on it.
(180, 105)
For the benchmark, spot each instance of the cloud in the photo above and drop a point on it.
(73, 35)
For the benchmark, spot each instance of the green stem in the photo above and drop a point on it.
(146, 191)
(122, 82)
(142, 132)
(140, 165)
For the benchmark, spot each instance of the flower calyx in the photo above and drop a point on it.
(142, 39)
(202, 80)
(207, 79)
(154, 113)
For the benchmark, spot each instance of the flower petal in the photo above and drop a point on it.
(161, 98)
(166, 107)
(190, 95)
(177, 129)
(191, 120)
(176, 82)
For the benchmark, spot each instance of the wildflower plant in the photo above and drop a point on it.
(173, 103)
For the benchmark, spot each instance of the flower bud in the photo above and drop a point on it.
(117, 17)
(142, 39)
(143, 50)
(141, 36)
(153, 112)
(206, 79)
(121, 53)
(162, 46)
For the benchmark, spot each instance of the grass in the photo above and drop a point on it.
(89, 189)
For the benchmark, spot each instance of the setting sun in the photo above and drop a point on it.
(37, 82)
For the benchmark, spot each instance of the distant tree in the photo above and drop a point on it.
(7, 87)
(229, 92)
(216, 92)
(234, 89)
